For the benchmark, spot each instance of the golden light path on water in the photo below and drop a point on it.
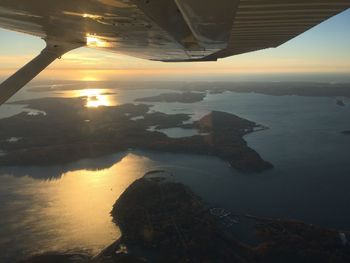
(74, 210)
(94, 97)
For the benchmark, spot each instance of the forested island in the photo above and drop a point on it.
(184, 97)
(69, 131)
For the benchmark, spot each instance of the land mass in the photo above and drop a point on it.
(69, 131)
(340, 103)
(185, 97)
(274, 88)
(163, 221)
(346, 132)
(170, 224)
(310, 89)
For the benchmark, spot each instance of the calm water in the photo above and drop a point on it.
(67, 207)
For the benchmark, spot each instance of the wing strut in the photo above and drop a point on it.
(50, 53)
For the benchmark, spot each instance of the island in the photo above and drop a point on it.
(68, 131)
(164, 221)
(346, 132)
(184, 97)
(340, 103)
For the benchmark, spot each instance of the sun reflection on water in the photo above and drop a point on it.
(70, 212)
(95, 98)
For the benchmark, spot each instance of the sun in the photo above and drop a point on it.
(89, 78)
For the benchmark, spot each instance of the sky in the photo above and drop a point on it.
(323, 50)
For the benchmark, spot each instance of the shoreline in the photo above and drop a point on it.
(174, 224)
(64, 135)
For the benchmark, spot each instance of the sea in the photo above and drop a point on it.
(67, 207)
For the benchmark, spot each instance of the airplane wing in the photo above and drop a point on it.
(262, 24)
(169, 30)
(162, 30)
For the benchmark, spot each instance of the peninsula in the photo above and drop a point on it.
(170, 224)
(164, 221)
(69, 131)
